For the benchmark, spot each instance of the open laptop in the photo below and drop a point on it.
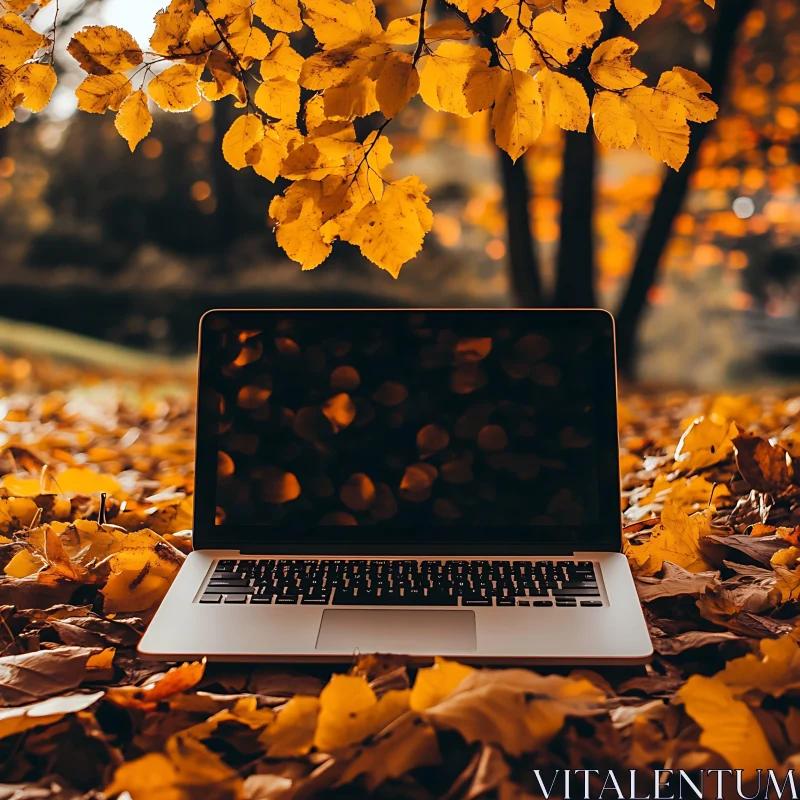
(419, 482)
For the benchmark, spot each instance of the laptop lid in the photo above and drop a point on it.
(398, 432)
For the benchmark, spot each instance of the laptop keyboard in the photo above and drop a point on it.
(366, 582)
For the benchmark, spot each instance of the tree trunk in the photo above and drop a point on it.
(575, 281)
(674, 188)
(225, 179)
(525, 280)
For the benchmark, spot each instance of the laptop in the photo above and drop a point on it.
(418, 482)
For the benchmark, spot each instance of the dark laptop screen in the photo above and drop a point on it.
(407, 426)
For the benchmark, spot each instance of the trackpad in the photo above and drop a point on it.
(377, 630)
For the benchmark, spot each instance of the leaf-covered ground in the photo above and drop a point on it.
(712, 510)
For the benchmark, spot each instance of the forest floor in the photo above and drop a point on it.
(711, 502)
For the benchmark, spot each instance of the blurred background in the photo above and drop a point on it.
(702, 267)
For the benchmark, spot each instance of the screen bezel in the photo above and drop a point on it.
(605, 536)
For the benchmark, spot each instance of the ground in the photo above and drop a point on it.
(94, 506)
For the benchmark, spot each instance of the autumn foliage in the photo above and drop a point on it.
(95, 499)
(549, 62)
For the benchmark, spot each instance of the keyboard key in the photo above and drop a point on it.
(226, 583)
(476, 601)
(236, 589)
(236, 598)
(569, 591)
(264, 600)
(314, 601)
(542, 603)
(524, 603)
(504, 601)
(286, 599)
(592, 603)
(211, 598)
(566, 601)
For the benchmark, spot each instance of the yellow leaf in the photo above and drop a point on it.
(524, 53)
(268, 155)
(281, 61)
(435, 683)
(614, 123)
(280, 15)
(226, 81)
(336, 23)
(342, 65)
(24, 563)
(243, 135)
(102, 660)
(476, 7)
(775, 671)
(676, 540)
(36, 82)
(172, 27)
(610, 66)
(175, 89)
(83, 480)
(391, 231)
(729, 726)
(98, 93)
(187, 770)
(352, 100)
(563, 36)
(9, 96)
(707, 441)
(636, 12)
(687, 88)
(518, 114)
(447, 29)
(252, 44)
(146, 698)
(142, 570)
(100, 50)
(134, 119)
(404, 30)
(397, 84)
(18, 41)
(349, 711)
(452, 72)
(661, 128)
(279, 98)
(300, 217)
(291, 735)
(565, 100)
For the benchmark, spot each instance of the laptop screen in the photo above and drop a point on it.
(442, 428)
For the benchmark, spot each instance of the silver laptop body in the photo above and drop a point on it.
(419, 482)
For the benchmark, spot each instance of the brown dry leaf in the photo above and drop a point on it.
(765, 467)
(517, 710)
(22, 718)
(35, 676)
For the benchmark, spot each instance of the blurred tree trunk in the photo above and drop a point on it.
(575, 281)
(525, 281)
(227, 214)
(731, 14)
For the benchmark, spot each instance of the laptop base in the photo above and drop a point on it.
(612, 633)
